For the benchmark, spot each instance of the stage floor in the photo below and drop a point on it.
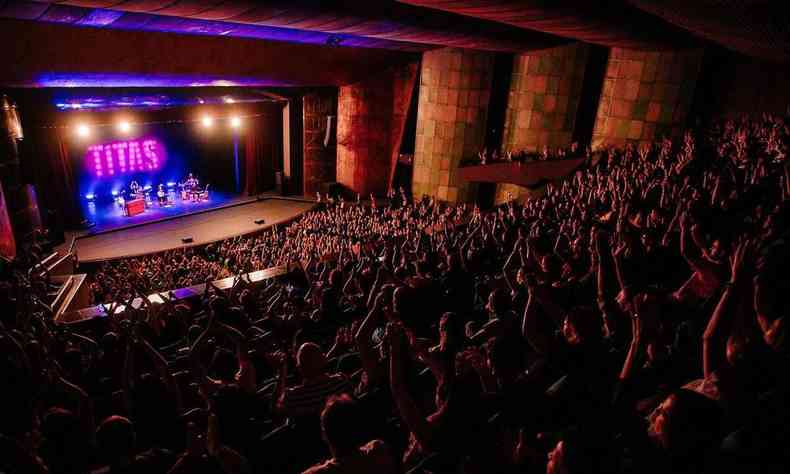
(109, 215)
(203, 227)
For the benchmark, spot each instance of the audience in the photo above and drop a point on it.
(632, 319)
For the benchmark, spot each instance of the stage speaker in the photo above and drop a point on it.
(187, 240)
(260, 221)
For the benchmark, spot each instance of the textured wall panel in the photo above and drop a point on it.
(455, 88)
(319, 160)
(371, 117)
(544, 96)
(645, 96)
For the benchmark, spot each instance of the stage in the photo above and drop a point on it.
(109, 215)
(160, 229)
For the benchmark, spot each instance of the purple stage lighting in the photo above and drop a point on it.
(125, 157)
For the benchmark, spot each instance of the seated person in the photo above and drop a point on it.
(137, 190)
(317, 384)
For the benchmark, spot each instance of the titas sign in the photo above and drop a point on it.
(125, 157)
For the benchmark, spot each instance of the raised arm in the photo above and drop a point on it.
(509, 261)
(201, 374)
(364, 343)
(720, 324)
(407, 408)
(167, 378)
(246, 377)
(687, 249)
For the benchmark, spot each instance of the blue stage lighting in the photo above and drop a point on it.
(171, 184)
(90, 196)
(114, 193)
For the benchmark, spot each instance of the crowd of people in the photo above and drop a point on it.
(487, 156)
(333, 228)
(631, 320)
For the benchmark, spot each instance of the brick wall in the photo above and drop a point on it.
(371, 117)
(455, 88)
(646, 95)
(319, 160)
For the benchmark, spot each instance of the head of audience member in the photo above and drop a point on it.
(343, 425)
(224, 365)
(506, 361)
(686, 423)
(498, 303)
(116, 441)
(311, 360)
(64, 444)
(582, 326)
(451, 332)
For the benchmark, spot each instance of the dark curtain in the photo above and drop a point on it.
(7, 242)
(263, 148)
(46, 164)
(403, 88)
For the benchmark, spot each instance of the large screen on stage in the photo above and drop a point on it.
(107, 161)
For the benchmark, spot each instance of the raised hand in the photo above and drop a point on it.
(739, 259)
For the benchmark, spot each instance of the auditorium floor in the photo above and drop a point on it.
(202, 228)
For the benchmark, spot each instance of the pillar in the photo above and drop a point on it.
(371, 118)
(545, 90)
(455, 88)
(645, 96)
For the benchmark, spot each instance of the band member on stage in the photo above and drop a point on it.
(122, 203)
(136, 188)
(191, 182)
(161, 195)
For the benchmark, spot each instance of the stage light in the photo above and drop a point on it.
(90, 196)
(83, 130)
(229, 100)
(235, 122)
(114, 193)
(171, 184)
(124, 126)
(207, 121)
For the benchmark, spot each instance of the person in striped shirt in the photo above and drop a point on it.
(317, 385)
